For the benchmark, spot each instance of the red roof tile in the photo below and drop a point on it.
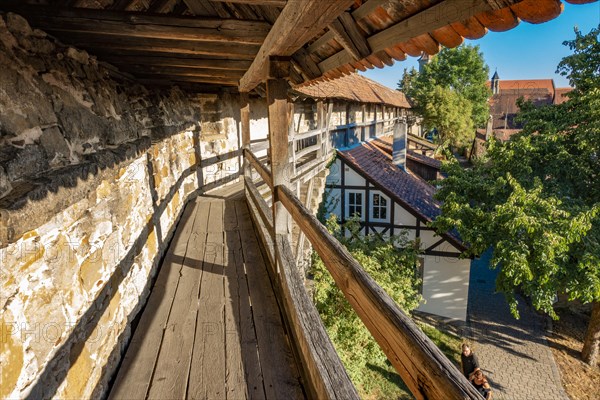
(377, 165)
(414, 194)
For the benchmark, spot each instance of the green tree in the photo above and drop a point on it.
(536, 199)
(454, 78)
(391, 267)
(406, 84)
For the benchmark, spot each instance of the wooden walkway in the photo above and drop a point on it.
(211, 328)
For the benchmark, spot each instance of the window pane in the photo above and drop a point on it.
(375, 199)
(383, 213)
(375, 212)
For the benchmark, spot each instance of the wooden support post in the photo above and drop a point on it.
(321, 127)
(277, 89)
(245, 120)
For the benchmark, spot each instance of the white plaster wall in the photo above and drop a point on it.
(446, 287)
(352, 178)
(403, 217)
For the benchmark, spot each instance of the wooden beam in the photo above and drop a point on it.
(190, 79)
(308, 65)
(274, 3)
(277, 93)
(161, 6)
(182, 71)
(355, 34)
(92, 42)
(325, 374)
(344, 39)
(299, 22)
(200, 63)
(128, 24)
(349, 36)
(421, 365)
(120, 4)
(368, 7)
(435, 17)
(245, 122)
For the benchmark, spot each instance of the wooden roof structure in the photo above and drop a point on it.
(227, 43)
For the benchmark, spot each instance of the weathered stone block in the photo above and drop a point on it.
(5, 186)
(18, 25)
(27, 161)
(55, 145)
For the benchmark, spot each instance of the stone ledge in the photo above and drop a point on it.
(34, 202)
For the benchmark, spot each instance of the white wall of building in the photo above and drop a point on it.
(446, 286)
(445, 279)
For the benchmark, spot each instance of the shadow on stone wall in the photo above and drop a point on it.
(47, 384)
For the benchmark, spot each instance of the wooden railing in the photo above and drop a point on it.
(322, 369)
(318, 145)
(421, 365)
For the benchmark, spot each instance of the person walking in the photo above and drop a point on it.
(468, 361)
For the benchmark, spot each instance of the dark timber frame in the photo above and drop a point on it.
(369, 226)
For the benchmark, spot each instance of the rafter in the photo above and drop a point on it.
(128, 24)
(167, 47)
(435, 17)
(299, 22)
(276, 3)
(198, 63)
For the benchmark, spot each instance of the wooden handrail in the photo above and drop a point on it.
(263, 171)
(263, 209)
(421, 365)
(322, 366)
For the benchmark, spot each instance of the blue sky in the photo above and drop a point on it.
(526, 52)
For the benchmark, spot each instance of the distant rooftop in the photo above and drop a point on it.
(357, 88)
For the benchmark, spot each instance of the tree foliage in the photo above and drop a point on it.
(450, 93)
(536, 198)
(391, 267)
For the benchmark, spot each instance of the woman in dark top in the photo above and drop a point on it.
(481, 384)
(468, 360)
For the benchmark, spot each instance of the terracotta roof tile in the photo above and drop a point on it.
(377, 164)
(413, 193)
(357, 88)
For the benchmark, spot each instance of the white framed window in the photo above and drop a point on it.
(379, 207)
(354, 204)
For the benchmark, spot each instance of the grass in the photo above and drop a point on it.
(385, 383)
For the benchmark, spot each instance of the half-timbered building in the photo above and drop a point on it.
(370, 181)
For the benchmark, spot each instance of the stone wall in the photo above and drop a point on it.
(94, 174)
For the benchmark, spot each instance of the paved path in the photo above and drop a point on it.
(514, 354)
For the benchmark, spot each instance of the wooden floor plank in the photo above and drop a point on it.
(280, 374)
(211, 328)
(243, 215)
(207, 372)
(234, 366)
(215, 219)
(173, 364)
(135, 373)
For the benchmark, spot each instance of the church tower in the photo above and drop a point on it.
(495, 83)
